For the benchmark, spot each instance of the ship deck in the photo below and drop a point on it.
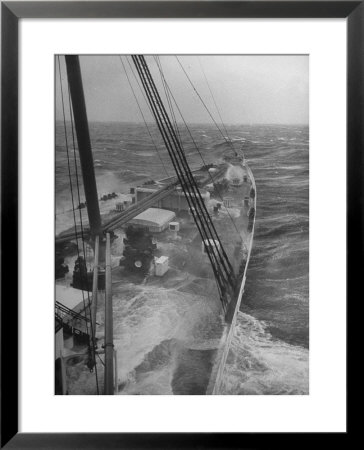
(168, 330)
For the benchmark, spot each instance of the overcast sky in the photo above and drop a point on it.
(247, 89)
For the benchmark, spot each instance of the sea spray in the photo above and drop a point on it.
(269, 353)
(258, 364)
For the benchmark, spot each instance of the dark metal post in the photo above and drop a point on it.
(84, 143)
(95, 287)
(94, 299)
(109, 344)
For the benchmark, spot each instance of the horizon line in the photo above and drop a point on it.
(196, 123)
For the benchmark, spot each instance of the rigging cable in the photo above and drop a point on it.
(141, 91)
(213, 99)
(203, 221)
(228, 141)
(145, 122)
(166, 91)
(69, 169)
(71, 187)
(203, 161)
(191, 181)
(179, 149)
(175, 164)
(93, 332)
(206, 215)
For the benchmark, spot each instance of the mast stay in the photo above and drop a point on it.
(221, 266)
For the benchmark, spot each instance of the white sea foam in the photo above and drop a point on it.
(257, 364)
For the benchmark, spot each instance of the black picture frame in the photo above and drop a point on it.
(11, 13)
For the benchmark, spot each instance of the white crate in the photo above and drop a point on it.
(174, 226)
(161, 266)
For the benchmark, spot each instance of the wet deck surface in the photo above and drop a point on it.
(167, 329)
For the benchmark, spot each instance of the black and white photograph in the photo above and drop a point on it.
(181, 224)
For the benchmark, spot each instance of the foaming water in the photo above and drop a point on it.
(269, 351)
(258, 364)
(154, 332)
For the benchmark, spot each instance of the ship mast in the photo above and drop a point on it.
(84, 144)
(93, 211)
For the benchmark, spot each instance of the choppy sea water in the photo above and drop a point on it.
(269, 351)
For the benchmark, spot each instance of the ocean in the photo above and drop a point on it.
(269, 353)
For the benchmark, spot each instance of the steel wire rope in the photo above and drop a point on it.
(187, 127)
(198, 150)
(196, 193)
(93, 332)
(166, 91)
(140, 88)
(192, 183)
(145, 122)
(228, 141)
(199, 199)
(72, 197)
(78, 190)
(175, 164)
(164, 134)
(69, 169)
(213, 99)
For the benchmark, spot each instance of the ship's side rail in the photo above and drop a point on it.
(81, 336)
(66, 318)
(217, 372)
(67, 314)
